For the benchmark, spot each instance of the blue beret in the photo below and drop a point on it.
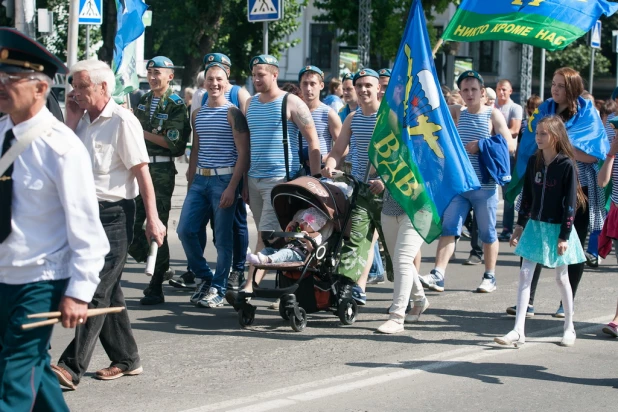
(225, 68)
(385, 72)
(347, 76)
(19, 53)
(160, 62)
(314, 69)
(470, 74)
(217, 58)
(365, 73)
(264, 59)
(615, 94)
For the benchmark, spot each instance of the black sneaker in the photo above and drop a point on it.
(184, 281)
(152, 299)
(505, 236)
(235, 279)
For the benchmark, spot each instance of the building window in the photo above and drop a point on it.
(486, 54)
(321, 46)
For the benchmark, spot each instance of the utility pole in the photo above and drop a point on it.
(73, 33)
(364, 32)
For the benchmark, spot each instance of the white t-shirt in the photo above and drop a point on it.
(115, 143)
(510, 110)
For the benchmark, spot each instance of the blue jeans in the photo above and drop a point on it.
(377, 267)
(201, 205)
(282, 255)
(485, 205)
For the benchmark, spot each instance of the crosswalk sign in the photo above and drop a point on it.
(90, 12)
(264, 10)
(595, 35)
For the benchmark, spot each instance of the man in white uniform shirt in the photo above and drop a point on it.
(52, 244)
(115, 141)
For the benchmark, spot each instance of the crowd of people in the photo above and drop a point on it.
(62, 248)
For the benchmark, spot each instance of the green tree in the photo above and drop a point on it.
(388, 21)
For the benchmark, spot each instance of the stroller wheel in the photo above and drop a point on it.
(246, 315)
(283, 311)
(299, 325)
(347, 311)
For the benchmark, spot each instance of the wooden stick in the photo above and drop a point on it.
(436, 47)
(56, 316)
(91, 312)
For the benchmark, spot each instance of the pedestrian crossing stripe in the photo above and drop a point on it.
(90, 10)
(263, 7)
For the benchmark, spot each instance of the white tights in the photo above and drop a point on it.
(523, 295)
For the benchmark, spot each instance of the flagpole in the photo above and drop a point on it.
(73, 32)
(436, 47)
(542, 85)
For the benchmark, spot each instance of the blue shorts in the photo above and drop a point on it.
(484, 203)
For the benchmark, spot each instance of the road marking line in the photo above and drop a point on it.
(259, 403)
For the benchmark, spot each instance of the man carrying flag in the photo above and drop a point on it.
(416, 148)
(357, 253)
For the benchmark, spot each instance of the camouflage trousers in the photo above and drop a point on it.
(163, 179)
(366, 217)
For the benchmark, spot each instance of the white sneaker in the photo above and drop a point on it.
(568, 339)
(488, 284)
(415, 318)
(391, 326)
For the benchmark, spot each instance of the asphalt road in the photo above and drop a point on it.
(200, 359)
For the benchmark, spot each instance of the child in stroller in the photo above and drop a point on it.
(312, 222)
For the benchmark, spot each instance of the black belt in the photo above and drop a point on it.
(107, 205)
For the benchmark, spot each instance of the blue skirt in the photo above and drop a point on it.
(539, 243)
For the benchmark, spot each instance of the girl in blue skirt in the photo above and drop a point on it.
(550, 197)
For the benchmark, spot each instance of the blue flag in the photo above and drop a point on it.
(551, 24)
(415, 146)
(130, 27)
(586, 133)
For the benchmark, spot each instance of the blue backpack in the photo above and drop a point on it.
(233, 96)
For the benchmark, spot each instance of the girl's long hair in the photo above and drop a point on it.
(555, 127)
(574, 87)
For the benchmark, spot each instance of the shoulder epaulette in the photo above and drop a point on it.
(176, 99)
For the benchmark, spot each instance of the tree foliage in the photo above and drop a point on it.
(388, 21)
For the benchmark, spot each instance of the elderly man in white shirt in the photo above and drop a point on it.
(52, 244)
(115, 141)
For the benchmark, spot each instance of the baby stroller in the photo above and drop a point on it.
(312, 285)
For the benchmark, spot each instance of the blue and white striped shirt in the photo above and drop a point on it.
(320, 118)
(473, 127)
(362, 129)
(267, 158)
(217, 148)
(153, 105)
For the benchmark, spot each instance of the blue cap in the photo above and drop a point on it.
(365, 73)
(470, 74)
(385, 72)
(264, 59)
(347, 76)
(615, 94)
(19, 53)
(225, 68)
(217, 58)
(314, 69)
(160, 62)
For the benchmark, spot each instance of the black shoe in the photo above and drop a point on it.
(505, 236)
(184, 281)
(235, 279)
(152, 299)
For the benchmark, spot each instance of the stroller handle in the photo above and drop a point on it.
(338, 173)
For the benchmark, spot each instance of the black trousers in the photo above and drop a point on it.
(114, 331)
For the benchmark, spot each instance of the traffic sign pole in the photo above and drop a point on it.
(265, 37)
(591, 68)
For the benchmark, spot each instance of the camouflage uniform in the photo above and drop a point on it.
(170, 121)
